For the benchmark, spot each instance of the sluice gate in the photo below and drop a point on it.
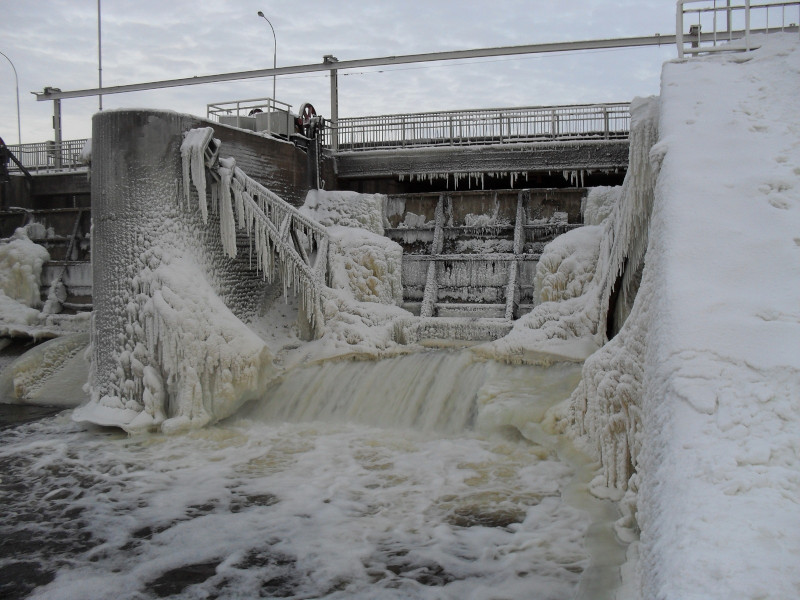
(474, 253)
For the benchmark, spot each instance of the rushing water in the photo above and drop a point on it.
(426, 476)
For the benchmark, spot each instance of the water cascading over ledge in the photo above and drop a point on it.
(169, 345)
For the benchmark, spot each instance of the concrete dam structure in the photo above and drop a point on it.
(391, 369)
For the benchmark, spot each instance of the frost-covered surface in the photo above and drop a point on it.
(367, 264)
(348, 209)
(599, 203)
(178, 357)
(719, 496)
(574, 328)
(693, 407)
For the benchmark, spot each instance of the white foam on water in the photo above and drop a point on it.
(447, 498)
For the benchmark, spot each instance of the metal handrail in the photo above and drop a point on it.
(482, 126)
(49, 156)
(710, 9)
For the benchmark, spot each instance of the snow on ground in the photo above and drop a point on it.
(719, 503)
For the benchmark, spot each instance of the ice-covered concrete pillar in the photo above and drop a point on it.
(169, 348)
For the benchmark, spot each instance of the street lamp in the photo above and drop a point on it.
(274, 56)
(16, 81)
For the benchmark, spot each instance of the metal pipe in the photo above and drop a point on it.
(631, 42)
(16, 83)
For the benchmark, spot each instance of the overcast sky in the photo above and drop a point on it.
(54, 43)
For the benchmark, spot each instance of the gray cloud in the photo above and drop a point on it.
(54, 42)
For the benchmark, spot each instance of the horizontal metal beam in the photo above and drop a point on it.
(653, 40)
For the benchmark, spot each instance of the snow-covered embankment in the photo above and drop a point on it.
(694, 407)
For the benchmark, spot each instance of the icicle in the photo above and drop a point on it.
(227, 224)
(215, 198)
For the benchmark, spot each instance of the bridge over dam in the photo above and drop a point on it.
(525, 146)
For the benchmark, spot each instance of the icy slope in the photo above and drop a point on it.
(719, 504)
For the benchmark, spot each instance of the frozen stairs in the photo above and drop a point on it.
(474, 254)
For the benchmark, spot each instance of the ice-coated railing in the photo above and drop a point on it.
(483, 126)
(725, 21)
(280, 235)
(49, 156)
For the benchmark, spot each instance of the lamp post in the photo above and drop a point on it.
(274, 56)
(16, 82)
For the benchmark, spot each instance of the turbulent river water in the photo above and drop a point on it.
(423, 476)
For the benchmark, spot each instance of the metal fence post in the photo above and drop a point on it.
(57, 129)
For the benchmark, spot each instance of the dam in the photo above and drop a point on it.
(365, 379)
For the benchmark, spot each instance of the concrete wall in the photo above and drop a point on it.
(47, 190)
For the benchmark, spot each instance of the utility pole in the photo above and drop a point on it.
(329, 59)
(56, 127)
(99, 58)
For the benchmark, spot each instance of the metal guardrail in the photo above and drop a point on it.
(483, 126)
(722, 22)
(49, 156)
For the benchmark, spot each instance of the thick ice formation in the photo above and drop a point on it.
(348, 209)
(21, 264)
(362, 304)
(567, 265)
(52, 373)
(722, 359)
(183, 359)
(186, 360)
(599, 203)
(366, 264)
